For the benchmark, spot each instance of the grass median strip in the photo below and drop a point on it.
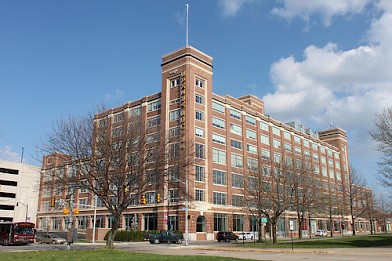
(335, 242)
(97, 255)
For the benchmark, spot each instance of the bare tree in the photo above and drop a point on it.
(116, 160)
(268, 192)
(356, 196)
(304, 191)
(382, 134)
(383, 207)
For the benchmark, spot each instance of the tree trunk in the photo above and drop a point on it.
(112, 233)
(260, 239)
(353, 225)
(300, 223)
(274, 236)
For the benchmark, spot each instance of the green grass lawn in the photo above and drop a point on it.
(335, 242)
(97, 255)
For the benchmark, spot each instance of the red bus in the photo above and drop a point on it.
(16, 233)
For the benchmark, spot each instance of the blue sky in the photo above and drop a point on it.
(61, 57)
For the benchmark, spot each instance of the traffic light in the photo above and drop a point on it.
(189, 216)
(159, 198)
(66, 211)
(143, 199)
(75, 211)
(52, 202)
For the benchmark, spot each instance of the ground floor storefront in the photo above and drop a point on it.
(203, 224)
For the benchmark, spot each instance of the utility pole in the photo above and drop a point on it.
(70, 223)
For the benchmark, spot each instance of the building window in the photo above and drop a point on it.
(135, 111)
(219, 177)
(82, 222)
(173, 195)
(235, 129)
(174, 132)
(83, 203)
(174, 173)
(298, 150)
(150, 221)
(235, 114)
(237, 180)
(218, 107)
(174, 150)
(287, 147)
(276, 131)
(236, 160)
(265, 154)
(276, 143)
(297, 139)
(199, 98)
(238, 222)
(306, 143)
(219, 198)
(287, 135)
(153, 137)
(250, 120)
(219, 156)
(250, 134)
(175, 82)
(154, 121)
(264, 126)
(174, 115)
(199, 132)
(264, 139)
(150, 197)
(251, 149)
(220, 222)
(236, 144)
(199, 173)
(117, 132)
(199, 115)
(253, 164)
(218, 138)
(199, 83)
(199, 152)
(199, 195)
(237, 200)
(219, 123)
(118, 117)
(153, 106)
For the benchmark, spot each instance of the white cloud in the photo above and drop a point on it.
(232, 7)
(114, 96)
(357, 81)
(326, 9)
(7, 154)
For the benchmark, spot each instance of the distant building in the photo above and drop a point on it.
(19, 186)
(230, 134)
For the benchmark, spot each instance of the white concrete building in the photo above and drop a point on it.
(19, 188)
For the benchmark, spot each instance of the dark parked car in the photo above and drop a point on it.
(166, 236)
(226, 236)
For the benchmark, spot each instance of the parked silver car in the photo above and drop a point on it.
(321, 233)
(51, 239)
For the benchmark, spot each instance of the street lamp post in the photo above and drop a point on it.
(95, 217)
(27, 209)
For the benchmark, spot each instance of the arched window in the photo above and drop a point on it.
(201, 224)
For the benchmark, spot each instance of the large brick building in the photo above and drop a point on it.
(229, 134)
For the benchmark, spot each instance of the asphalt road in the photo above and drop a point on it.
(208, 248)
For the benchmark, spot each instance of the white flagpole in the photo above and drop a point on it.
(187, 13)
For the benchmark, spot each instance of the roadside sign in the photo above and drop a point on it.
(291, 225)
(264, 220)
